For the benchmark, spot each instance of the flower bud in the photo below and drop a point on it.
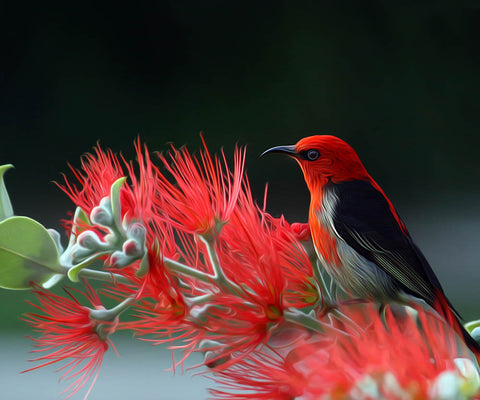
(137, 232)
(201, 314)
(89, 240)
(101, 216)
(366, 388)
(88, 243)
(131, 248)
(445, 387)
(476, 333)
(215, 354)
(209, 344)
(79, 252)
(470, 383)
(119, 259)
(301, 231)
(213, 359)
(392, 388)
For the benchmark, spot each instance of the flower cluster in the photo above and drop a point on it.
(372, 359)
(183, 249)
(70, 334)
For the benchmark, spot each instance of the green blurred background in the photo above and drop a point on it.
(399, 80)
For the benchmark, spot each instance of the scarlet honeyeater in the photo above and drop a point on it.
(358, 236)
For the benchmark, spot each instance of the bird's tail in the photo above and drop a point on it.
(445, 308)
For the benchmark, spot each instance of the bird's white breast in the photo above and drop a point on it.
(354, 273)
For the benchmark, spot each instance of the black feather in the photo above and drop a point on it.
(364, 220)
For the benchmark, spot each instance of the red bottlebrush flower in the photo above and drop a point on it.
(270, 271)
(289, 241)
(403, 360)
(414, 356)
(261, 258)
(202, 207)
(98, 172)
(263, 254)
(204, 191)
(264, 375)
(139, 204)
(70, 335)
(161, 307)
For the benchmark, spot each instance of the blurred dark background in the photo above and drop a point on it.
(399, 80)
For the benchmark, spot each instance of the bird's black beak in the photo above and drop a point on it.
(289, 150)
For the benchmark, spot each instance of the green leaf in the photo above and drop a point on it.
(470, 326)
(115, 201)
(6, 209)
(27, 254)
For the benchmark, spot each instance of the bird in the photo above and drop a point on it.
(359, 237)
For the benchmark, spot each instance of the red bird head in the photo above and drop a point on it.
(325, 158)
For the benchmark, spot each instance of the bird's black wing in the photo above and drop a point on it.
(364, 219)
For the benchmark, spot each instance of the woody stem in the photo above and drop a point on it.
(102, 276)
(112, 313)
(219, 275)
(183, 269)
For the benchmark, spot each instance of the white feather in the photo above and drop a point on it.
(355, 274)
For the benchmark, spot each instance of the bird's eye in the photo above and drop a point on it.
(312, 155)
